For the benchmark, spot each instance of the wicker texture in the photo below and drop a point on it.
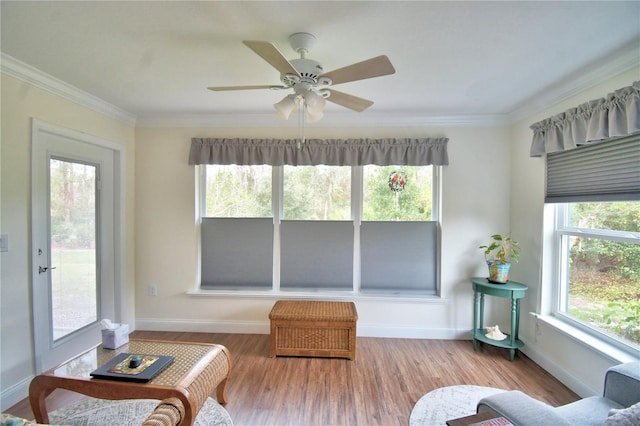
(168, 413)
(186, 356)
(301, 310)
(313, 338)
(313, 328)
(215, 372)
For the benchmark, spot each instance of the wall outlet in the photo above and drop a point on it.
(152, 290)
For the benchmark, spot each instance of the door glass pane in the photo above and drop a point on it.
(74, 286)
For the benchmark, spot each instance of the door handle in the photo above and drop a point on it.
(42, 270)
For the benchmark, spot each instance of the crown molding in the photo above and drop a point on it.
(345, 120)
(608, 67)
(33, 76)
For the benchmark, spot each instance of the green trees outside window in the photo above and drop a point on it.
(603, 243)
(238, 191)
(320, 192)
(412, 203)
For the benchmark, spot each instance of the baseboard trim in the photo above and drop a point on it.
(187, 325)
(14, 394)
(263, 327)
(568, 379)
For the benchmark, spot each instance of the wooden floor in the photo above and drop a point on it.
(379, 388)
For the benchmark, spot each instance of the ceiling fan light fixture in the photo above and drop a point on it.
(286, 106)
(314, 102)
(313, 117)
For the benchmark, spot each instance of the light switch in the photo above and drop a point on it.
(4, 242)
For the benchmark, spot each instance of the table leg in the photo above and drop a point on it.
(512, 354)
(517, 319)
(38, 392)
(481, 324)
(475, 319)
(221, 392)
(514, 330)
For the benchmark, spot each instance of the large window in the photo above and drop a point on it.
(599, 252)
(595, 190)
(320, 228)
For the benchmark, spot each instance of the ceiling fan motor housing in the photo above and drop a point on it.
(308, 69)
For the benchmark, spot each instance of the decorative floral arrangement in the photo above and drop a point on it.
(397, 181)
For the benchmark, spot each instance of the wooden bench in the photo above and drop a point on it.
(313, 328)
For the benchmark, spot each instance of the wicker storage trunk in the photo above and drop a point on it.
(311, 328)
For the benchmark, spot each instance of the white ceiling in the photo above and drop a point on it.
(155, 59)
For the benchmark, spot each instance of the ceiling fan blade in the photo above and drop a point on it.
(272, 55)
(374, 67)
(226, 88)
(349, 101)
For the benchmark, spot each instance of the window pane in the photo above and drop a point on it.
(238, 191)
(621, 216)
(397, 193)
(604, 286)
(317, 193)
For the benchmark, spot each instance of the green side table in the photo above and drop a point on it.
(511, 289)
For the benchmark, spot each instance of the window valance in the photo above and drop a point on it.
(618, 114)
(332, 152)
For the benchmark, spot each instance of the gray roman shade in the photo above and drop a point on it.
(616, 115)
(331, 152)
(316, 254)
(237, 253)
(399, 255)
(606, 171)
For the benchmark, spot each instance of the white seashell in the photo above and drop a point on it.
(494, 333)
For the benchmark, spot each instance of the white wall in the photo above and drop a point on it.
(166, 234)
(20, 103)
(576, 364)
(487, 164)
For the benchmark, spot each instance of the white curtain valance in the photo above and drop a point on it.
(616, 115)
(332, 152)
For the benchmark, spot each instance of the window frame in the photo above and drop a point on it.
(357, 193)
(561, 232)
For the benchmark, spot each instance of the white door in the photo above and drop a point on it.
(74, 255)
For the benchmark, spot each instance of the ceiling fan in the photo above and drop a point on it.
(311, 85)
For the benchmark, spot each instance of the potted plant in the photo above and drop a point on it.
(499, 254)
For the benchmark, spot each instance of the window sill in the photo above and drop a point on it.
(377, 296)
(604, 348)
